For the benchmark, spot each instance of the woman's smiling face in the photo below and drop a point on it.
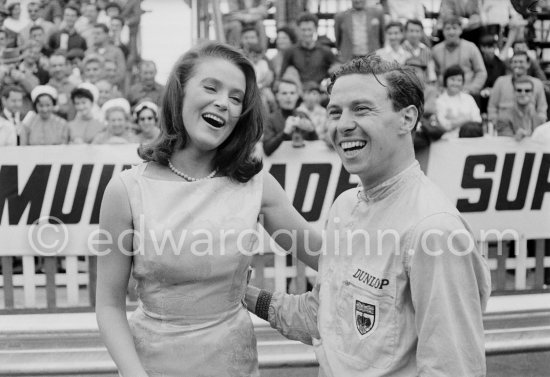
(212, 103)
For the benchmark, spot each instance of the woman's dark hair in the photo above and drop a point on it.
(235, 156)
(470, 129)
(35, 103)
(81, 93)
(290, 32)
(454, 70)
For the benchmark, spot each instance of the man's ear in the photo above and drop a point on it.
(409, 116)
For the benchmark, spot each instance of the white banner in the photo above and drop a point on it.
(497, 183)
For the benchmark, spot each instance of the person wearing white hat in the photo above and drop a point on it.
(87, 124)
(146, 117)
(43, 127)
(117, 117)
(14, 22)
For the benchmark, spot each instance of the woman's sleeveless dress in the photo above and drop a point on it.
(193, 243)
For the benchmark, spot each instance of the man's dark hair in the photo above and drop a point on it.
(521, 53)
(470, 129)
(394, 24)
(103, 27)
(250, 28)
(118, 18)
(73, 7)
(404, 88)
(414, 21)
(35, 27)
(11, 88)
(307, 17)
(290, 32)
(454, 70)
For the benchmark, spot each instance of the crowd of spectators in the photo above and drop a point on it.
(479, 74)
(70, 73)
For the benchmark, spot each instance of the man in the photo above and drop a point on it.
(12, 75)
(520, 120)
(457, 51)
(502, 95)
(393, 49)
(102, 46)
(68, 38)
(86, 23)
(33, 8)
(92, 68)
(36, 34)
(12, 105)
(358, 30)
(414, 32)
(313, 61)
(59, 79)
(147, 87)
(285, 120)
(495, 68)
(409, 304)
(534, 69)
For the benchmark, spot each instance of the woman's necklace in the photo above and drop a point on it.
(189, 178)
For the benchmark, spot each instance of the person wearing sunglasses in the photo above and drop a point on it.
(146, 117)
(520, 120)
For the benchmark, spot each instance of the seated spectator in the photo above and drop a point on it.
(286, 38)
(358, 30)
(92, 68)
(12, 104)
(110, 73)
(312, 60)
(36, 34)
(51, 11)
(36, 20)
(468, 13)
(146, 116)
(103, 47)
(8, 134)
(11, 36)
(33, 62)
(393, 49)
(521, 119)
(311, 106)
(117, 31)
(502, 96)
(68, 37)
(243, 14)
(495, 68)
(284, 121)
(86, 23)
(106, 92)
(43, 127)
(534, 69)
(85, 126)
(470, 129)
(14, 21)
(118, 130)
(404, 10)
(11, 75)
(457, 51)
(455, 107)
(59, 79)
(74, 59)
(146, 87)
(414, 32)
(264, 75)
(249, 37)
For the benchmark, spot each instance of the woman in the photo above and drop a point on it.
(146, 117)
(117, 118)
(455, 107)
(201, 187)
(43, 127)
(285, 39)
(85, 126)
(14, 22)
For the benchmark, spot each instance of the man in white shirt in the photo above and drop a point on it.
(12, 103)
(401, 286)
